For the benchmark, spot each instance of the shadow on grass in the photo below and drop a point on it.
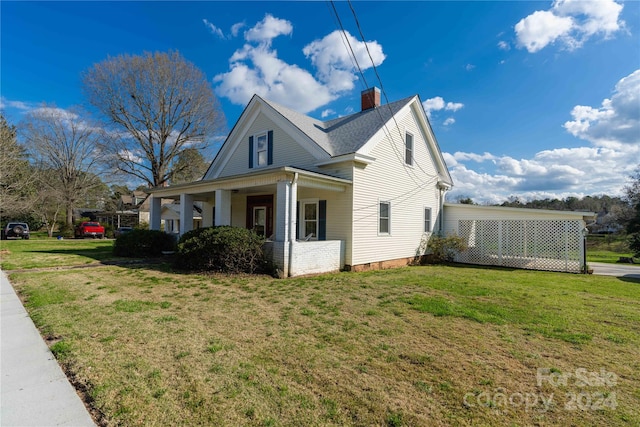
(629, 279)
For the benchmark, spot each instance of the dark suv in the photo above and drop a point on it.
(18, 230)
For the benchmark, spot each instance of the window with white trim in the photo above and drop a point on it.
(261, 149)
(427, 220)
(408, 148)
(384, 218)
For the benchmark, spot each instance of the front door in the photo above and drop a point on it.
(260, 214)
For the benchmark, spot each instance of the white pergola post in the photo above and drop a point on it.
(186, 213)
(223, 207)
(155, 213)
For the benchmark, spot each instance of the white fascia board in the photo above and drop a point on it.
(236, 137)
(433, 142)
(547, 212)
(353, 157)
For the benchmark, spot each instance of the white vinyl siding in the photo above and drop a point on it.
(286, 151)
(408, 188)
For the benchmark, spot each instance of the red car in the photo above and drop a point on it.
(89, 229)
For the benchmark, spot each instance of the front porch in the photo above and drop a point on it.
(288, 206)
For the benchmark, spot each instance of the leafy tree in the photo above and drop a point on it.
(63, 146)
(15, 173)
(157, 105)
(632, 195)
(189, 166)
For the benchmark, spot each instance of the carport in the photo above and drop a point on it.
(535, 239)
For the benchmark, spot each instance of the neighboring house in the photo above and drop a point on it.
(171, 217)
(358, 192)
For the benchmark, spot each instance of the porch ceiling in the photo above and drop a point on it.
(258, 181)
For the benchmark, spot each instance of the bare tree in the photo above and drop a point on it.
(64, 148)
(157, 105)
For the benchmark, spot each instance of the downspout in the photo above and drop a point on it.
(441, 188)
(292, 215)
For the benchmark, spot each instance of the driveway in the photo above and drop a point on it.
(619, 270)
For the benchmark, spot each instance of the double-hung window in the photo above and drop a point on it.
(384, 218)
(261, 149)
(309, 225)
(408, 148)
(427, 220)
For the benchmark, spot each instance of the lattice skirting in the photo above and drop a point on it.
(554, 245)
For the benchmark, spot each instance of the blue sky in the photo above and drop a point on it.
(527, 99)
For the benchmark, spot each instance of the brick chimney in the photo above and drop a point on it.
(370, 98)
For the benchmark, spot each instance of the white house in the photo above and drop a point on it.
(358, 192)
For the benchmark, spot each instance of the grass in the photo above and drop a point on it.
(435, 345)
(607, 248)
(48, 253)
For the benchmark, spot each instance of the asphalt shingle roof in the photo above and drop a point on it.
(344, 135)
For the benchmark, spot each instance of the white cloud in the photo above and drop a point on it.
(438, 104)
(571, 22)
(557, 173)
(213, 29)
(469, 67)
(333, 60)
(503, 45)
(449, 121)
(268, 29)
(256, 68)
(616, 123)
(235, 28)
(326, 113)
(18, 105)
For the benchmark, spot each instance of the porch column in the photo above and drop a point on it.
(186, 213)
(155, 212)
(207, 213)
(286, 211)
(223, 207)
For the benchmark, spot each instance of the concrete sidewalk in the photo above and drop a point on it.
(34, 390)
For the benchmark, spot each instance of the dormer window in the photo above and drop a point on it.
(261, 149)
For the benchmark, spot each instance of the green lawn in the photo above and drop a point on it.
(607, 248)
(433, 345)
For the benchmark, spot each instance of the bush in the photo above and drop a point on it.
(444, 249)
(225, 249)
(143, 244)
(65, 230)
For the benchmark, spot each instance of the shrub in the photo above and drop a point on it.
(65, 230)
(143, 244)
(440, 249)
(446, 248)
(225, 249)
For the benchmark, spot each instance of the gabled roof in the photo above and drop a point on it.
(344, 135)
(349, 135)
